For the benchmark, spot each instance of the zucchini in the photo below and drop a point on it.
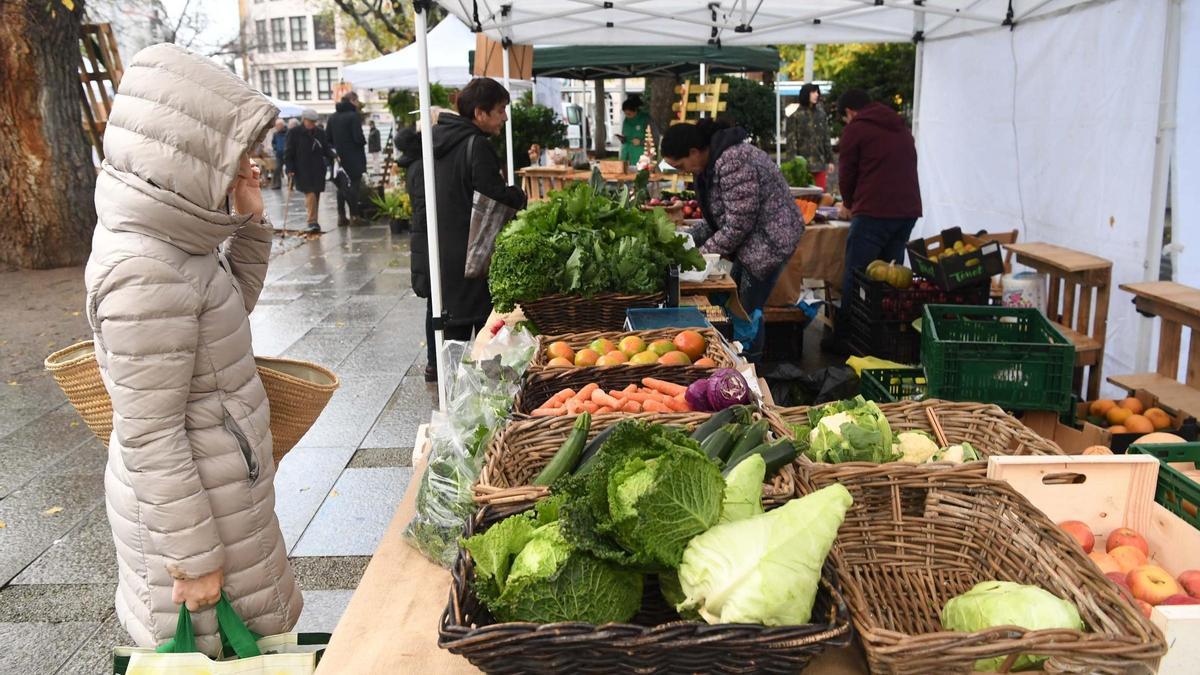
(568, 453)
(779, 455)
(751, 438)
(592, 449)
(738, 414)
(734, 460)
(720, 442)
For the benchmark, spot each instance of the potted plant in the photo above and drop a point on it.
(396, 207)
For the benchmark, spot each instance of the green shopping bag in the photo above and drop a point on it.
(242, 652)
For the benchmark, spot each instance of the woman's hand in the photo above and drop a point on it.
(198, 593)
(246, 193)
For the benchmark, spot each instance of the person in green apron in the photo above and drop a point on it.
(633, 130)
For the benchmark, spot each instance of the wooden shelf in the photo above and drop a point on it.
(1057, 257)
(1171, 393)
(1154, 296)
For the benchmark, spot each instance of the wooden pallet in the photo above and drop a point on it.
(699, 100)
(100, 73)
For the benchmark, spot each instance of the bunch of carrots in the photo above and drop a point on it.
(653, 396)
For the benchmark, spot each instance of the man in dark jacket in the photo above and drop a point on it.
(465, 163)
(346, 134)
(408, 143)
(278, 145)
(305, 154)
(877, 173)
(373, 143)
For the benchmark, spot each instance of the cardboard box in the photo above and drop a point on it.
(1181, 425)
(1073, 441)
(963, 269)
(1108, 492)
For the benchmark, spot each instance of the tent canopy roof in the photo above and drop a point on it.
(740, 22)
(595, 62)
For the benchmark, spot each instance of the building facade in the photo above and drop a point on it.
(295, 51)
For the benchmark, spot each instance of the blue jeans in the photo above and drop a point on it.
(873, 239)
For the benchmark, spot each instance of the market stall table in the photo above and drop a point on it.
(1178, 306)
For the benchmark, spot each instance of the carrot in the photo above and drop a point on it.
(631, 407)
(677, 405)
(617, 394)
(663, 387)
(630, 389)
(655, 406)
(561, 396)
(605, 400)
(548, 412)
(590, 407)
(605, 409)
(574, 407)
(586, 392)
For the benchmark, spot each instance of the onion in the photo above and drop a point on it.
(696, 396)
(727, 387)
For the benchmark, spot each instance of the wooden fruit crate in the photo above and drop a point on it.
(1108, 492)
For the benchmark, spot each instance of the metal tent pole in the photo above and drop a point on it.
(508, 142)
(810, 52)
(435, 267)
(778, 122)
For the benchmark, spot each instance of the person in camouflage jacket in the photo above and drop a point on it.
(808, 134)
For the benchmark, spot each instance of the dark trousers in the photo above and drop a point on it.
(872, 239)
(753, 293)
(277, 174)
(349, 207)
(448, 333)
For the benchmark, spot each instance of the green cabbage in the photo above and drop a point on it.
(854, 430)
(915, 446)
(1004, 603)
(743, 489)
(764, 569)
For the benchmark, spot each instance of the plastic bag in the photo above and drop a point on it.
(792, 386)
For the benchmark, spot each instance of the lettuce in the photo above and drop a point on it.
(1004, 603)
(743, 489)
(764, 569)
(854, 430)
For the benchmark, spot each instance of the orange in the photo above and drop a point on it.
(705, 363)
(1117, 429)
(675, 359)
(616, 356)
(561, 362)
(1159, 418)
(1100, 408)
(1118, 415)
(1138, 424)
(560, 349)
(1132, 405)
(691, 343)
(586, 357)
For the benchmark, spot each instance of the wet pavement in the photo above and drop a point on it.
(342, 300)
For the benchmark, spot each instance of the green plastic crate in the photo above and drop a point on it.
(891, 385)
(1012, 357)
(1176, 492)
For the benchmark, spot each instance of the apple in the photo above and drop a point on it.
(1153, 584)
(1190, 581)
(1144, 606)
(1128, 558)
(1081, 532)
(1105, 562)
(1180, 599)
(1121, 580)
(1123, 536)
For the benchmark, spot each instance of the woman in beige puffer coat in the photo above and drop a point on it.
(171, 280)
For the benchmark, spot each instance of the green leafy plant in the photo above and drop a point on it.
(531, 124)
(751, 105)
(402, 102)
(394, 204)
(796, 172)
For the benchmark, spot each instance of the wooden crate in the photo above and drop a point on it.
(1108, 492)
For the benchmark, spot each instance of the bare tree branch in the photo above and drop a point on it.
(347, 6)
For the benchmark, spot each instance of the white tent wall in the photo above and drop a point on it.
(1185, 184)
(1050, 129)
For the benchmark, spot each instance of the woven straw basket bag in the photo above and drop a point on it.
(297, 390)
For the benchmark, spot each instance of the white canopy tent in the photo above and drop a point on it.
(286, 109)
(1053, 117)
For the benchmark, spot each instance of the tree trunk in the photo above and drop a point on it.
(600, 130)
(45, 159)
(662, 95)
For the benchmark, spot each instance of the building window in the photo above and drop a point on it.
(278, 36)
(281, 85)
(299, 33)
(260, 35)
(264, 80)
(323, 33)
(325, 78)
(303, 93)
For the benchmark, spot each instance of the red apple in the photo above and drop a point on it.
(1105, 562)
(1128, 558)
(1144, 606)
(1152, 584)
(1123, 536)
(1081, 532)
(1190, 580)
(1180, 599)
(1121, 579)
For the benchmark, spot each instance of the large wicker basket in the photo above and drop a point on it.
(538, 387)
(297, 390)
(716, 347)
(915, 538)
(657, 641)
(987, 428)
(521, 449)
(576, 314)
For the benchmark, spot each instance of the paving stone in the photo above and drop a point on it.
(85, 555)
(322, 611)
(356, 513)
(36, 648)
(30, 398)
(352, 411)
(56, 602)
(39, 444)
(330, 573)
(367, 458)
(408, 409)
(388, 283)
(382, 351)
(94, 656)
(304, 478)
(327, 345)
(366, 310)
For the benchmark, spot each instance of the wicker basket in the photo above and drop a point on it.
(521, 449)
(987, 428)
(656, 642)
(538, 387)
(914, 539)
(717, 349)
(297, 390)
(576, 314)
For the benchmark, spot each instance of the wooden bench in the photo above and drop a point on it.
(1074, 278)
(1177, 306)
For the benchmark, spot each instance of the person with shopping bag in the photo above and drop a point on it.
(178, 260)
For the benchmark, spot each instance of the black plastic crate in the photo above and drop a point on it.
(880, 301)
(892, 340)
(960, 270)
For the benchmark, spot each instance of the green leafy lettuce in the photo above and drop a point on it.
(743, 489)
(1006, 603)
(853, 430)
(650, 491)
(764, 569)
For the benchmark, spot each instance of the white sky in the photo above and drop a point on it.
(222, 17)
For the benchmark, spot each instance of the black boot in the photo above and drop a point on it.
(431, 374)
(313, 228)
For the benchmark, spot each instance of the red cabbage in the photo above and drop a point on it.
(727, 387)
(697, 396)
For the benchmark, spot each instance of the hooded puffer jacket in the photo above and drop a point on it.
(170, 282)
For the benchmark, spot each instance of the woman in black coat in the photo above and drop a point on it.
(305, 155)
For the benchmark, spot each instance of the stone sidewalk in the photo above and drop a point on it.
(342, 300)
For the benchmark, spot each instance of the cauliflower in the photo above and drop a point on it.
(957, 454)
(917, 446)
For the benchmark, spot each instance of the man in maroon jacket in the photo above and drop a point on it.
(877, 172)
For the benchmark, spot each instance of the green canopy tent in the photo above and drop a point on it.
(612, 62)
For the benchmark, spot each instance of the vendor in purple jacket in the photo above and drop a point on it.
(749, 214)
(877, 173)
